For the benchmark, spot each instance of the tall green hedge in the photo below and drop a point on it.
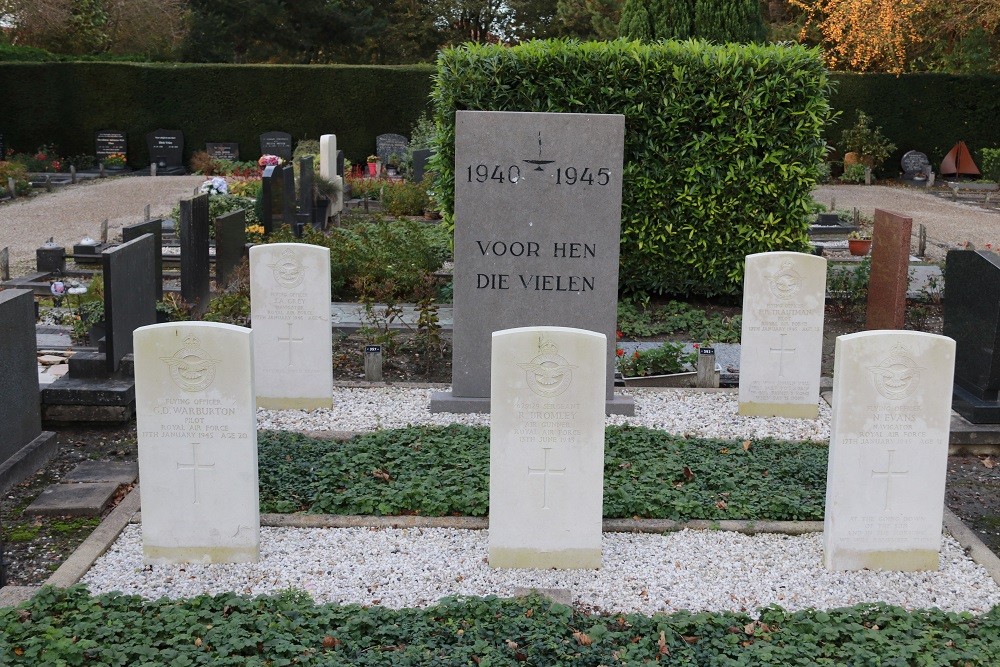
(64, 103)
(722, 143)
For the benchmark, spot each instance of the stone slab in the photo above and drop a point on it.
(88, 499)
(84, 391)
(230, 245)
(154, 227)
(537, 237)
(888, 451)
(290, 312)
(784, 297)
(19, 407)
(890, 271)
(446, 401)
(546, 448)
(101, 414)
(195, 270)
(27, 460)
(119, 472)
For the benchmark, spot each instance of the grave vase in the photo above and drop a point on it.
(859, 247)
(373, 169)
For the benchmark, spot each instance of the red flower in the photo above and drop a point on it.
(620, 352)
(696, 345)
(635, 355)
(619, 334)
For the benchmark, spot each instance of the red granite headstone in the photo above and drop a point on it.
(890, 271)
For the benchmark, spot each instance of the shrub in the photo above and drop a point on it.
(722, 143)
(990, 159)
(17, 171)
(405, 198)
(854, 174)
(867, 140)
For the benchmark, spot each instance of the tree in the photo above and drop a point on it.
(714, 20)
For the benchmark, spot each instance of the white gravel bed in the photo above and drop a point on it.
(680, 411)
(645, 573)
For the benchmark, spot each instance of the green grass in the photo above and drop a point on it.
(441, 471)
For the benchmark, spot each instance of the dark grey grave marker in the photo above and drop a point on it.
(230, 245)
(109, 142)
(5, 264)
(420, 158)
(166, 148)
(270, 195)
(223, 151)
(972, 319)
(288, 195)
(340, 163)
(306, 194)
(194, 252)
(23, 447)
(276, 143)
(129, 295)
(154, 227)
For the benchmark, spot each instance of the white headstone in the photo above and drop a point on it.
(328, 167)
(197, 428)
(290, 315)
(888, 450)
(781, 345)
(547, 448)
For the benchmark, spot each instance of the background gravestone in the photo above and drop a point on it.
(288, 195)
(197, 431)
(271, 191)
(340, 163)
(276, 143)
(538, 211)
(20, 411)
(129, 295)
(195, 273)
(972, 319)
(420, 158)
(154, 227)
(166, 148)
(890, 272)
(306, 193)
(389, 145)
(223, 150)
(230, 245)
(109, 142)
(914, 163)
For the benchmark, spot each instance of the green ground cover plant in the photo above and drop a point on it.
(441, 471)
(637, 318)
(70, 627)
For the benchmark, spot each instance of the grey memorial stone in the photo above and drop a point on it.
(538, 211)
(120, 472)
(154, 227)
(109, 142)
(223, 150)
(420, 158)
(194, 252)
(914, 162)
(391, 148)
(230, 245)
(129, 295)
(5, 264)
(87, 499)
(23, 446)
(166, 148)
(276, 143)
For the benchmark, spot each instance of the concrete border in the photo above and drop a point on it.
(28, 460)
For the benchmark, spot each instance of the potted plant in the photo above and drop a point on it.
(859, 243)
(373, 165)
(114, 161)
(865, 144)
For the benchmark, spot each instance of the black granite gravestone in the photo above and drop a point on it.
(340, 163)
(23, 444)
(129, 295)
(420, 158)
(166, 150)
(916, 168)
(193, 230)
(109, 142)
(230, 245)
(223, 151)
(391, 148)
(972, 319)
(306, 194)
(271, 185)
(288, 195)
(154, 227)
(276, 143)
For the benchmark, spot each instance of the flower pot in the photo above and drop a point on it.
(859, 247)
(851, 159)
(373, 168)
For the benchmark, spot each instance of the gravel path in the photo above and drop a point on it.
(75, 211)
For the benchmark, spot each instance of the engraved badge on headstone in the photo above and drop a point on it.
(288, 270)
(548, 374)
(785, 284)
(191, 367)
(897, 376)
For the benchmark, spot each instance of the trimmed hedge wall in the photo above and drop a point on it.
(722, 143)
(65, 103)
(924, 112)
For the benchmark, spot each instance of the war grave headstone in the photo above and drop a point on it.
(195, 269)
(24, 447)
(197, 431)
(110, 142)
(230, 245)
(276, 143)
(538, 205)
(420, 158)
(166, 150)
(154, 227)
(290, 312)
(916, 167)
(547, 448)
(129, 295)
(890, 272)
(972, 319)
(391, 148)
(784, 296)
(223, 150)
(888, 451)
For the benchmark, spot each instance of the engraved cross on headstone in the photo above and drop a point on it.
(781, 352)
(289, 340)
(195, 467)
(545, 472)
(889, 473)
